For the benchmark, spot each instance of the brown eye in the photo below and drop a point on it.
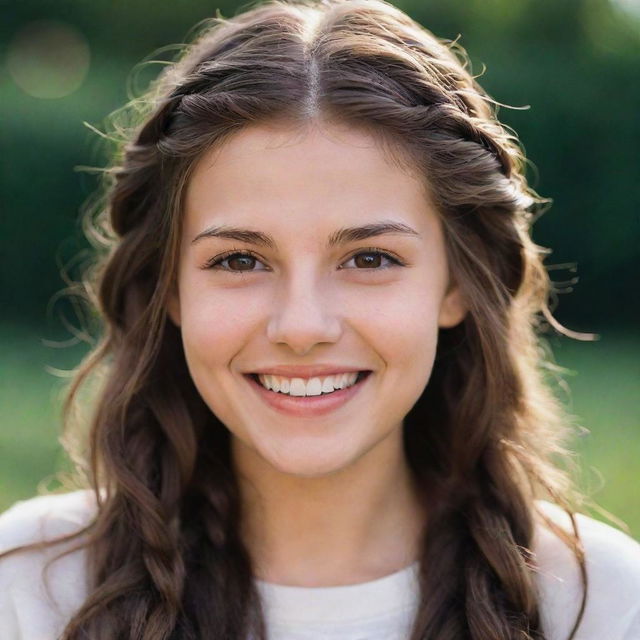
(368, 260)
(236, 262)
(240, 262)
(377, 260)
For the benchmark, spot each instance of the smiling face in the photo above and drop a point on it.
(309, 254)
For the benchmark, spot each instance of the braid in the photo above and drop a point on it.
(486, 554)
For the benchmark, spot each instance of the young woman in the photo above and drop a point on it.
(319, 408)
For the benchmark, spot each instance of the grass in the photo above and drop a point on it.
(604, 394)
(604, 398)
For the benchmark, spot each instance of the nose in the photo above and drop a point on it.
(303, 316)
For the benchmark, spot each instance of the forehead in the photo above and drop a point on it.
(272, 172)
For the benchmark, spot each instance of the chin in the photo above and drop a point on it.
(306, 464)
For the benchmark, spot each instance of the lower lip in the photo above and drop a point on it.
(307, 406)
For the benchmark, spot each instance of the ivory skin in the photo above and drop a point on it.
(328, 499)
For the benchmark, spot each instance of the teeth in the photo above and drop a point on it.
(314, 387)
(297, 387)
(327, 386)
(310, 387)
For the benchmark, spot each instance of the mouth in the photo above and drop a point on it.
(320, 401)
(287, 390)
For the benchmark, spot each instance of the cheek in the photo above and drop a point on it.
(407, 310)
(215, 328)
(216, 325)
(401, 323)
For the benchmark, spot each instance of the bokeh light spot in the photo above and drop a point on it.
(48, 59)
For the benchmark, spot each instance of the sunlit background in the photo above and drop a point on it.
(574, 65)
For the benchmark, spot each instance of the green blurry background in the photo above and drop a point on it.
(575, 62)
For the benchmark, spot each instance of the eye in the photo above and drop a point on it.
(372, 259)
(234, 261)
(245, 261)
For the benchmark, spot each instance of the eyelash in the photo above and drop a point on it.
(216, 261)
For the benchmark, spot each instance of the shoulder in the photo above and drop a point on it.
(45, 517)
(612, 561)
(35, 601)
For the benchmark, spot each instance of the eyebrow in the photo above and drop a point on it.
(341, 236)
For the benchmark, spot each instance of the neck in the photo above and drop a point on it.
(357, 524)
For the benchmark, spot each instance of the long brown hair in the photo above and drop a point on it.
(165, 557)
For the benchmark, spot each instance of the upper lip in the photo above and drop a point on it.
(307, 371)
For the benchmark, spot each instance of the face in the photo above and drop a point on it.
(312, 264)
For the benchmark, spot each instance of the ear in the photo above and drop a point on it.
(172, 305)
(453, 308)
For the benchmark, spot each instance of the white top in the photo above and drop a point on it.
(378, 610)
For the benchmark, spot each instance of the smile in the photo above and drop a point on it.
(307, 397)
(309, 386)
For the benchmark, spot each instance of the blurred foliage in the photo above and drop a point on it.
(575, 62)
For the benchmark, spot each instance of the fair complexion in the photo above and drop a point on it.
(328, 498)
